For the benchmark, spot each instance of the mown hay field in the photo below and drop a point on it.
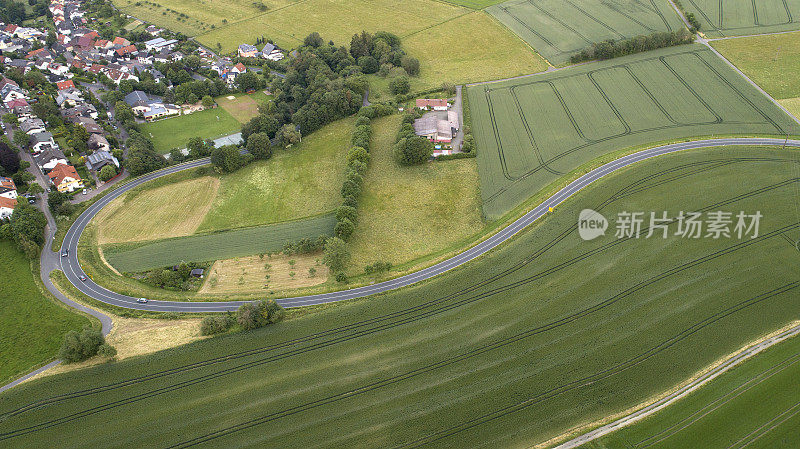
(171, 210)
(754, 405)
(544, 334)
(265, 273)
(410, 212)
(215, 246)
(558, 29)
(532, 131)
(720, 18)
(773, 61)
(335, 20)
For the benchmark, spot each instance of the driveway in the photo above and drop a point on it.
(459, 137)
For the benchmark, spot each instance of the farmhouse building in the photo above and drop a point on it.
(436, 104)
(437, 126)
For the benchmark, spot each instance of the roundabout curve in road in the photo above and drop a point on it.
(72, 269)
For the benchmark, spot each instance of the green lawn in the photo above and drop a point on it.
(531, 131)
(773, 62)
(544, 334)
(410, 212)
(755, 405)
(740, 17)
(174, 132)
(32, 326)
(558, 29)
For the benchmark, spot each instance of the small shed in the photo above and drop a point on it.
(197, 273)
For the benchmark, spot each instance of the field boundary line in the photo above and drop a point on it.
(704, 378)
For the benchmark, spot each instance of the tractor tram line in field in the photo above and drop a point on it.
(702, 166)
(517, 337)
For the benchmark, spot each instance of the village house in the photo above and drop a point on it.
(32, 126)
(435, 104)
(7, 206)
(100, 159)
(65, 178)
(247, 51)
(42, 141)
(46, 160)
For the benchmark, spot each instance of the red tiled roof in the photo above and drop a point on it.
(8, 183)
(126, 50)
(240, 67)
(61, 171)
(17, 102)
(35, 52)
(7, 202)
(11, 28)
(423, 103)
(65, 84)
(121, 41)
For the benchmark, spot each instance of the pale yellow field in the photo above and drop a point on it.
(172, 210)
(409, 212)
(200, 15)
(259, 274)
(793, 105)
(335, 20)
(470, 48)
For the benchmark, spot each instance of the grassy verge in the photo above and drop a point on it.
(32, 323)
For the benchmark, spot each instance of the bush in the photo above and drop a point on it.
(337, 255)
(253, 315)
(399, 85)
(216, 324)
(107, 173)
(358, 154)
(305, 246)
(107, 351)
(413, 150)
(346, 213)
(344, 229)
(80, 346)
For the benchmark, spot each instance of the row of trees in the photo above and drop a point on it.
(609, 49)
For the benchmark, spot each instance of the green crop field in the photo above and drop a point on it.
(174, 132)
(532, 131)
(756, 405)
(557, 29)
(772, 61)
(475, 4)
(546, 333)
(32, 327)
(215, 246)
(719, 18)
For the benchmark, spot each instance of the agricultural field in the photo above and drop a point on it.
(174, 132)
(475, 4)
(772, 62)
(410, 212)
(792, 105)
(193, 17)
(720, 18)
(144, 256)
(541, 335)
(754, 406)
(242, 107)
(533, 131)
(32, 326)
(558, 29)
(170, 210)
(469, 48)
(335, 20)
(264, 272)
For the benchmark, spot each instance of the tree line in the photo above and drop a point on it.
(609, 49)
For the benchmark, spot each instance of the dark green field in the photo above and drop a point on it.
(558, 29)
(215, 246)
(544, 334)
(719, 18)
(756, 405)
(532, 131)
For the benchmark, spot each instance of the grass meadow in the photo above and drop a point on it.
(558, 29)
(740, 18)
(242, 107)
(544, 334)
(773, 62)
(410, 212)
(270, 272)
(32, 326)
(174, 132)
(754, 406)
(296, 183)
(532, 131)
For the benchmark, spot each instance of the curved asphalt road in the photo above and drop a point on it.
(73, 270)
